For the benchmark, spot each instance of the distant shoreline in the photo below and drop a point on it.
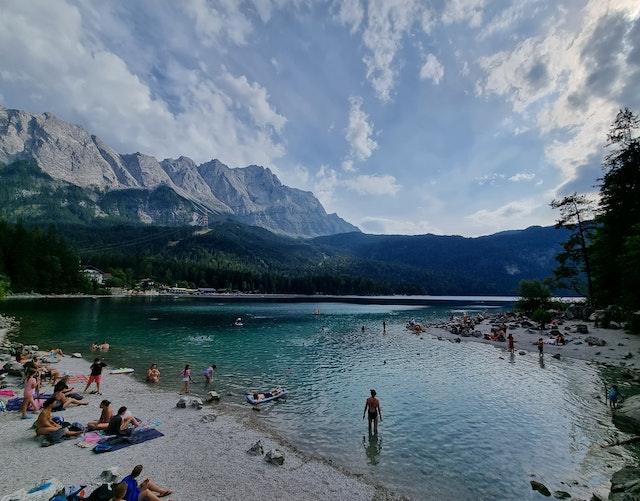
(294, 298)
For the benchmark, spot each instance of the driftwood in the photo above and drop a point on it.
(623, 442)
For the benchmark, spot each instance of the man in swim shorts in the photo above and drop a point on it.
(96, 375)
(372, 405)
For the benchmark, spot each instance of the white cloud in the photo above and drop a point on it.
(350, 12)
(487, 220)
(489, 179)
(358, 133)
(432, 69)
(388, 21)
(214, 22)
(373, 185)
(522, 176)
(255, 99)
(458, 11)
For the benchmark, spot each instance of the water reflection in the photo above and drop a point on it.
(372, 448)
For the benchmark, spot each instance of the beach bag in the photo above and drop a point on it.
(55, 437)
(76, 426)
(100, 448)
(102, 493)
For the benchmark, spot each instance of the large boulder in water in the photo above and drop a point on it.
(625, 484)
(627, 415)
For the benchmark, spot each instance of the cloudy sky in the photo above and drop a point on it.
(450, 117)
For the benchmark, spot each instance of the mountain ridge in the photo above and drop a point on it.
(253, 194)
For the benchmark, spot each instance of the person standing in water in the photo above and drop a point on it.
(186, 379)
(372, 405)
(208, 375)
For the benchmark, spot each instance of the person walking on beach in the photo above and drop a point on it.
(31, 386)
(614, 395)
(540, 347)
(186, 379)
(511, 342)
(372, 405)
(96, 375)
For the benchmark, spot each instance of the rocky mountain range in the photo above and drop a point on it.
(171, 191)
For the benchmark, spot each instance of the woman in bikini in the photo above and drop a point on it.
(373, 406)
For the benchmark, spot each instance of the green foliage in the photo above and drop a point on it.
(574, 270)
(5, 285)
(534, 295)
(542, 316)
(37, 261)
(616, 244)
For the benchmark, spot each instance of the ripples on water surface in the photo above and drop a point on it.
(461, 421)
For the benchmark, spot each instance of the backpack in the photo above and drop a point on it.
(102, 493)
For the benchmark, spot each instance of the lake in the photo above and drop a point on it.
(460, 420)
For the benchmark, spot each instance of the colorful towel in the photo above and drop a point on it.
(7, 393)
(136, 438)
(14, 404)
(78, 378)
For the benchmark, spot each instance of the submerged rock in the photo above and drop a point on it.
(540, 487)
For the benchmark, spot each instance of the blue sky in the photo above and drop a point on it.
(461, 117)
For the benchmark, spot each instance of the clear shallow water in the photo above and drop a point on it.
(461, 421)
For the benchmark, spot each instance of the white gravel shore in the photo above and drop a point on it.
(197, 460)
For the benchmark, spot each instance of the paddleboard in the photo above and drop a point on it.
(122, 370)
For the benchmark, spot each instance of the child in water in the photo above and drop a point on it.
(186, 379)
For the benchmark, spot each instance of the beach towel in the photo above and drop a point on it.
(116, 443)
(7, 393)
(14, 404)
(78, 378)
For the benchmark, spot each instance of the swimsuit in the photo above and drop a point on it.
(373, 414)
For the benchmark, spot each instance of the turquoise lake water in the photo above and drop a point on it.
(461, 421)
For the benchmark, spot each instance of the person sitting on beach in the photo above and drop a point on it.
(45, 425)
(153, 374)
(120, 422)
(50, 374)
(105, 417)
(65, 396)
(119, 492)
(146, 490)
(56, 351)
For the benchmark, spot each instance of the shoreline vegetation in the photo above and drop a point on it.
(211, 460)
